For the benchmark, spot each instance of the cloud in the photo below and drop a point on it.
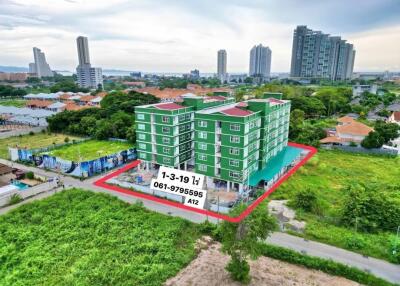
(178, 35)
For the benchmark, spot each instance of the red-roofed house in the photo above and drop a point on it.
(394, 117)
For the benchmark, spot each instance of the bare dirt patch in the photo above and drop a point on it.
(209, 269)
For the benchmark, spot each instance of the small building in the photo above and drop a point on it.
(394, 117)
(359, 89)
(346, 132)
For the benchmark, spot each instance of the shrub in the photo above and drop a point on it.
(30, 175)
(239, 269)
(15, 199)
(308, 201)
(66, 139)
(31, 133)
(395, 249)
(356, 243)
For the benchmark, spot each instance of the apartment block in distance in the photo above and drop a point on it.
(233, 142)
(321, 56)
(164, 131)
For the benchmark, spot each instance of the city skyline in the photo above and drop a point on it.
(229, 25)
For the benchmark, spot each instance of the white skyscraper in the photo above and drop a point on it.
(260, 62)
(40, 66)
(221, 65)
(88, 76)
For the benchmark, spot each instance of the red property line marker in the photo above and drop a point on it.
(102, 183)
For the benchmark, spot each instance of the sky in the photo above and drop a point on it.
(180, 35)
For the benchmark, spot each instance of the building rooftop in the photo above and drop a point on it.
(354, 128)
(234, 111)
(168, 106)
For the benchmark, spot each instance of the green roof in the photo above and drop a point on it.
(275, 165)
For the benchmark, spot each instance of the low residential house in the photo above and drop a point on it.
(56, 106)
(347, 131)
(37, 103)
(394, 117)
(139, 84)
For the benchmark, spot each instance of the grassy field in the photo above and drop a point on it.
(81, 238)
(327, 173)
(89, 150)
(37, 140)
(13, 102)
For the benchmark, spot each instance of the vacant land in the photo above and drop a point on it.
(327, 174)
(13, 102)
(89, 150)
(209, 269)
(37, 140)
(81, 238)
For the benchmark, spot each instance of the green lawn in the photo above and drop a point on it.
(327, 173)
(78, 237)
(89, 150)
(13, 102)
(37, 140)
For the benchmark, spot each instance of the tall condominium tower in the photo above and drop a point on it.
(221, 65)
(88, 76)
(83, 50)
(319, 55)
(260, 62)
(40, 67)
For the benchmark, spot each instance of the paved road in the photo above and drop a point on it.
(380, 268)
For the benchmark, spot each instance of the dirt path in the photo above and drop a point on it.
(208, 269)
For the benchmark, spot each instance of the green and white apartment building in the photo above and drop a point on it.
(224, 140)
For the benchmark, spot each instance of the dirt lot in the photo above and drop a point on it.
(208, 269)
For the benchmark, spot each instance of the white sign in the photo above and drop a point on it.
(183, 183)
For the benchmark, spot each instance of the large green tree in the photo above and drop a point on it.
(241, 240)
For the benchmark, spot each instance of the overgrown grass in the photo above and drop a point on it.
(82, 238)
(13, 102)
(89, 150)
(37, 140)
(327, 173)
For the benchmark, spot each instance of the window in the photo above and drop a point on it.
(165, 130)
(142, 146)
(181, 117)
(140, 116)
(234, 175)
(188, 116)
(142, 136)
(202, 157)
(202, 167)
(202, 123)
(166, 160)
(235, 127)
(165, 140)
(235, 139)
(166, 150)
(141, 127)
(234, 151)
(202, 135)
(142, 155)
(165, 119)
(234, 163)
(202, 146)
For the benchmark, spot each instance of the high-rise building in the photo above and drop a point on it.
(260, 62)
(88, 76)
(40, 67)
(221, 66)
(32, 68)
(228, 142)
(319, 55)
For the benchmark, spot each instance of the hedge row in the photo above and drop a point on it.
(324, 265)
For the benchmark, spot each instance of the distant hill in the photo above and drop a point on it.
(13, 69)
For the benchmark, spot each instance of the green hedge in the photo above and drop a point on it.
(323, 265)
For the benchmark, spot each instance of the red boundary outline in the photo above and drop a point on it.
(102, 183)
